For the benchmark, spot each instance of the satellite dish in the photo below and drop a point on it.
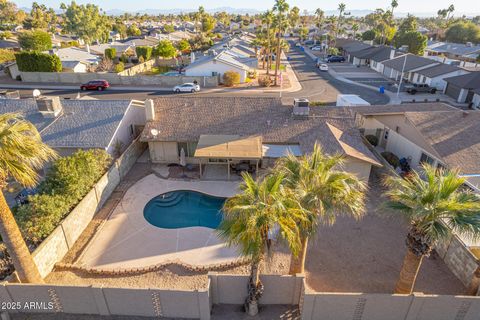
(36, 93)
(154, 132)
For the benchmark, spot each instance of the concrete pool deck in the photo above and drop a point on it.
(127, 240)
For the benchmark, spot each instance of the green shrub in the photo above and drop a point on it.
(144, 51)
(67, 182)
(37, 40)
(32, 61)
(124, 58)
(119, 67)
(317, 103)
(141, 59)
(110, 53)
(6, 55)
(373, 140)
(231, 78)
(265, 81)
(391, 158)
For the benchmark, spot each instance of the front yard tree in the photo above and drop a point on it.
(22, 154)
(88, 22)
(36, 40)
(435, 203)
(463, 32)
(133, 31)
(281, 24)
(183, 46)
(208, 23)
(323, 192)
(249, 218)
(415, 41)
(40, 17)
(166, 49)
(168, 28)
(8, 12)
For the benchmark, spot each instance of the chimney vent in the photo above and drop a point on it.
(301, 108)
(49, 107)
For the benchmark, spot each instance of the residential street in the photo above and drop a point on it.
(316, 86)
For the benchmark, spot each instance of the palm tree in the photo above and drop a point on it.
(355, 28)
(341, 11)
(322, 191)
(267, 19)
(22, 153)
(394, 5)
(249, 219)
(281, 23)
(434, 203)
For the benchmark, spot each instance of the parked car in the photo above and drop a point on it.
(298, 44)
(335, 59)
(316, 48)
(322, 67)
(420, 87)
(187, 87)
(95, 85)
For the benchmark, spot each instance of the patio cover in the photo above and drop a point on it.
(229, 147)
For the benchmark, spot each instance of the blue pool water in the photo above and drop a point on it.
(183, 209)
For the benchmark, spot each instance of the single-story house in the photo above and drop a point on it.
(121, 48)
(75, 59)
(371, 55)
(435, 76)
(58, 39)
(461, 88)
(438, 134)
(215, 131)
(146, 41)
(69, 125)
(459, 51)
(408, 63)
(217, 65)
(248, 61)
(349, 48)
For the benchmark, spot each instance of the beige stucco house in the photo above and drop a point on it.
(232, 130)
(435, 133)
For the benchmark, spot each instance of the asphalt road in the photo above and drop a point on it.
(316, 86)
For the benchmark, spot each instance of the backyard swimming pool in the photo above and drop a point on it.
(183, 209)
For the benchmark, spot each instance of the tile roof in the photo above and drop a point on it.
(438, 70)
(186, 119)
(466, 81)
(413, 62)
(82, 124)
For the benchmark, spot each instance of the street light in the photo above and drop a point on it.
(401, 75)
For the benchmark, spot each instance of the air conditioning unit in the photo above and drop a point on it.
(301, 108)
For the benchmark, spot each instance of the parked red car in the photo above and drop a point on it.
(95, 85)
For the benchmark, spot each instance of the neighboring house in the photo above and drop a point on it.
(146, 41)
(217, 65)
(99, 49)
(461, 88)
(69, 125)
(58, 39)
(435, 76)
(458, 51)
(408, 63)
(350, 47)
(9, 44)
(235, 26)
(75, 59)
(372, 55)
(438, 134)
(248, 61)
(263, 129)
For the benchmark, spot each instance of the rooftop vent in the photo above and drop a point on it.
(301, 108)
(49, 107)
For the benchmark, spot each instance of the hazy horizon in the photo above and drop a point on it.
(405, 6)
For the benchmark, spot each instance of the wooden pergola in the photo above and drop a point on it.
(229, 147)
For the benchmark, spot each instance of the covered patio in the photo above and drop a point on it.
(229, 150)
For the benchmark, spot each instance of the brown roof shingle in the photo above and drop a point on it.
(186, 118)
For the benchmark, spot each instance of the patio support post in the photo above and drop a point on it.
(228, 169)
(200, 166)
(256, 169)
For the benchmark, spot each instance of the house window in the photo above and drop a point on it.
(426, 159)
(188, 147)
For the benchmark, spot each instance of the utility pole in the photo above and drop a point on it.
(401, 76)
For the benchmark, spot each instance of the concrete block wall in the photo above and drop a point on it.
(57, 244)
(116, 79)
(355, 306)
(459, 259)
(139, 68)
(279, 289)
(108, 301)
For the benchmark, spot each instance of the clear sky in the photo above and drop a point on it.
(469, 7)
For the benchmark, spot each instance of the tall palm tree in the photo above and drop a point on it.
(434, 203)
(249, 219)
(22, 153)
(341, 11)
(355, 28)
(394, 5)
(267, 19)
(281, 23)
(323, 191)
